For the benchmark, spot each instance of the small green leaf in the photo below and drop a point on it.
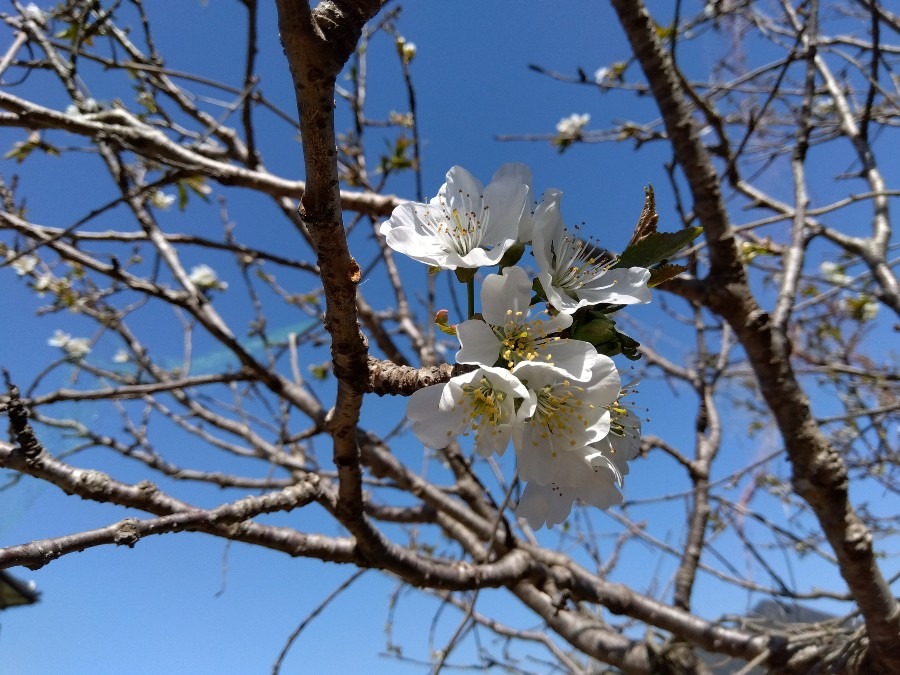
(21, 151)
(664, 273)
(196, 185)
(442, 321)
(182, 196)
(656, 247)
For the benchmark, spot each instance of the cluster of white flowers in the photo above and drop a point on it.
(75, 348)
(858, 306)
(86, 107)
(555, 398)
(834, 273)
(601, 75)
(161, 200)
(22, 264)
(406, 49)
(573, 125)
(205, 278)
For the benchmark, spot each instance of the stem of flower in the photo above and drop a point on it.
(470, 294)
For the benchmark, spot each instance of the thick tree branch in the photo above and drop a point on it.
(819, 474)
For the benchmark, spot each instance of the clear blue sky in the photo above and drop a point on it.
(156, 608)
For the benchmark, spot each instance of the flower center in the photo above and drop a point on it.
(485, 404)
(523, 339)
(558, 413)
(574, 264)
(461, 230)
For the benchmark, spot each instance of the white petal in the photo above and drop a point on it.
(515, 171)
(460, 190)
(507, 202)
(479, 344)
(406, 232)
(623, 286)
(434, 427)
(520, 173)
(573, 357)
(547, 224)
(540, 504)
(496, 439)
(560, 301)
(480, 257)
(500, 293)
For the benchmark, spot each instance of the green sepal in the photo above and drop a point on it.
(513, 255)
(465, 275)
(538, 290)
(597, 330)
(600, 331)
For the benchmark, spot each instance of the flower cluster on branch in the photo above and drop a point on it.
(557, 398)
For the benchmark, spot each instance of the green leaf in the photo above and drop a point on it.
(77, 30)
(663, 273)
(196, 185)
(21, 151)
(182, 196)
(648, 219)
(656, 247)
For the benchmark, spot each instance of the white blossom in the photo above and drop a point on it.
(86, 107)
(571, 274)
(59, 339)
(601, 74)
(121, 356)
(401, 119)
(834, 273)
(205, 278)
(862, 308)
(592, 474)
(43, 282)
(573, 125)
(23, 264)
(78, 347)
(466, 225)
(75, 348)
(511, 331)
(407, 50)
(585, 474)
(161, 200)
(481, 402)
(561, 415)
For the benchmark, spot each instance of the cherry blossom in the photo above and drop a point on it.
(466, 225)
(587, 474)
(562, 415)
(205, 278)
(573, 274)
(481, 402)
(75, 348)
(512, 331)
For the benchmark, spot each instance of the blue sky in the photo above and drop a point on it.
(158, 608)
